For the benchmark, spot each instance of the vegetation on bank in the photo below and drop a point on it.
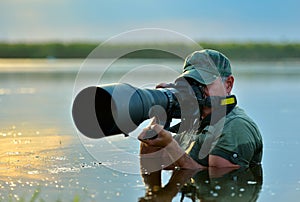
(239, 51)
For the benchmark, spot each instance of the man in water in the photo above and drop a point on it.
(231, 140)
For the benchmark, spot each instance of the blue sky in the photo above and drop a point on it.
(94, 20)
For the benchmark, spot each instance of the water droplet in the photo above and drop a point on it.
(217, 187)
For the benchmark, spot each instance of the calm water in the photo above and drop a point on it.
(41, 153)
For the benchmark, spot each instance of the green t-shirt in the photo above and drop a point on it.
(235, 138)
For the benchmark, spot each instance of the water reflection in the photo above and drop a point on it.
(207, 185)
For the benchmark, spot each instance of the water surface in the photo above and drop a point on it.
(42, 153)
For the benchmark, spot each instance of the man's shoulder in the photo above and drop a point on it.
(239, 115)
(238, 119)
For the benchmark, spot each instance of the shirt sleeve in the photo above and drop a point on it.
(236, 143)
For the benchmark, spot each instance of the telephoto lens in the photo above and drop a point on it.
(116, 108)
(100, 111)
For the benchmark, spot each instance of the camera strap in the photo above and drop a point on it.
(222, 107)
(217, 101)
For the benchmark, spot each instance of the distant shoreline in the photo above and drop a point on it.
(236, 51)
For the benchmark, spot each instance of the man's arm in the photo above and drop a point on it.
(219, 162)
(165, 141)
(186, 162)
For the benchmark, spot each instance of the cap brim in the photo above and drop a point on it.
(202, 77)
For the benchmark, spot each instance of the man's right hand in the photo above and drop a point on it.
(162, 140)
(164, 85)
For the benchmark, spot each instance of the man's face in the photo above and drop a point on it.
(217, 88)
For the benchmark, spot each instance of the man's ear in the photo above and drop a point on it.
(229, 84)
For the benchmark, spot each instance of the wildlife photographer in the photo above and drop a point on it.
(222, 135)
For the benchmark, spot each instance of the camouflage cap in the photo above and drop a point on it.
(206, 66)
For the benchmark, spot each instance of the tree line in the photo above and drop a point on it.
(239, 51)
